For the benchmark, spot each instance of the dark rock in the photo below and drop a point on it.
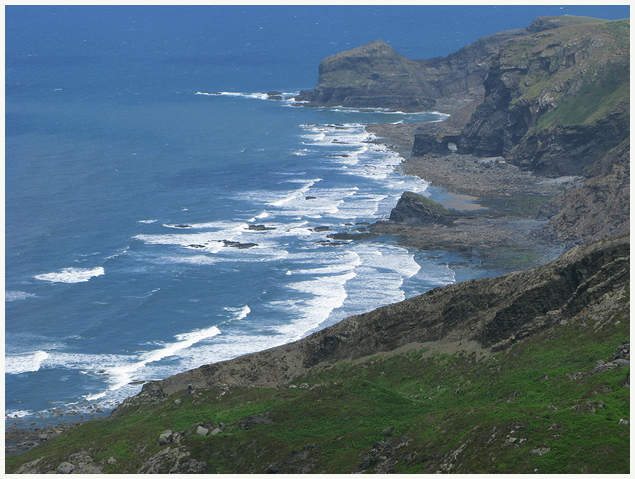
(623, 351)
(320, 229)
(252, 421)
(310, 197)
(237, 244)
(414, 209)
(260, 228)
(352, 236)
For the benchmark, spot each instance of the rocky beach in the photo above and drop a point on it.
(496, 204)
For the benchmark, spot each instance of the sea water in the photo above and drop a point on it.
(163, 212)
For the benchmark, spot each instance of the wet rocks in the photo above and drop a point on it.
(239, 245)
(260, 228)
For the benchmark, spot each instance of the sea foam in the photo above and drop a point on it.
(24, 363)
(17, 295)
(71, 275)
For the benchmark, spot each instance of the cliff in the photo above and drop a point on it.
(376, 76)
(555, 101)
(556, 105)
(522, 373)
(492, 312)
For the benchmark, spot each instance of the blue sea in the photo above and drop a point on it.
(163, 212)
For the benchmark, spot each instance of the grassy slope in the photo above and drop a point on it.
(585, 93)
(456, 413)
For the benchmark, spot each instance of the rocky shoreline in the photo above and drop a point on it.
(497, 202)
(503, 240)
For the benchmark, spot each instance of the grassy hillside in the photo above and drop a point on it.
(583, 69)
(534, 407)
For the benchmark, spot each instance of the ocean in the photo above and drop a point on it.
(163, 212)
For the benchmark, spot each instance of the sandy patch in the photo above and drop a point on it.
(461, 202)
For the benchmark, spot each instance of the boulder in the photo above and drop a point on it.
(415, 209)
(252, 421)
(540, 451)
(65, 468)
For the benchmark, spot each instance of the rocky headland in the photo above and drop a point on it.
(522, 373)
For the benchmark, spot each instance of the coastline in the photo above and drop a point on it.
(482, 238)
(498, 204)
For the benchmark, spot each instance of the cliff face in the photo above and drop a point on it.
(555, 101)
(600, 207)
(494, 312)
(372, 75)
(376, 76)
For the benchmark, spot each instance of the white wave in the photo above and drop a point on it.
(301, 152)
(24, 363)
(120, 253)
(17, 414)
(147, 221)
(121, 376)
(257, 96)
(71, 275)
(224, 230)
(326, 294)
(239, 313)
(330, 264)
(299, 193)
(260, 216)
(346, 135)
(17, 295)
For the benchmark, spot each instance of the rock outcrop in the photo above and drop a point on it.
(600, 207)
(416, 209)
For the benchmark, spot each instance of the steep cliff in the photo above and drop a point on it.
(376, 76)
(555, 101)
(373, 75)
(557, 104)
(600, 207)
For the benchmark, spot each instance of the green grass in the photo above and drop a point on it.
(429, 404)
